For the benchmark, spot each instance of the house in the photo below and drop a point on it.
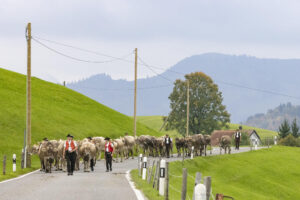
(217, 134)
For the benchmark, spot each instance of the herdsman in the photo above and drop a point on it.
(109, 149)
(237, 137)
(70, 148)
(168, 142)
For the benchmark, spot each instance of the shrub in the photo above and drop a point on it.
(290, 140)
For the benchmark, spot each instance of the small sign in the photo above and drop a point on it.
(144, 165)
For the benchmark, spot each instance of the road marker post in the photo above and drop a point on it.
(14, 163)
(192, 153)
(140, 159)
(144, 168)
(275, 140)
(255, 147)
(162, 177)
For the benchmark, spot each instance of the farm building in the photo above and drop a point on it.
(252, 134)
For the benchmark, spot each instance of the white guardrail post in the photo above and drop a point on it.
(162, 175)
(255, 147)
(140, 159)
(14, 162)
(144, 168)
(275, 140)
(192, 153)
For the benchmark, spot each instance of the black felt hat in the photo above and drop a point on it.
(69, 135)
(107, 138)
(45, 139)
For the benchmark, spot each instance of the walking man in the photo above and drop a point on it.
(237, 137)
(109, 149)
(168, 142)
(70, 148)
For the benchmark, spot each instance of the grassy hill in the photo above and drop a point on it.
(261, 175)
(155, 122)
(56, 111)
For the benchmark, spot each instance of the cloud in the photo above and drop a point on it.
(164, 31)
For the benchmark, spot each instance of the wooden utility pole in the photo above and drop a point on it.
(135, 84)
(28, 99)
(187, 108)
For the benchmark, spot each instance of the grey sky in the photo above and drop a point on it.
(163, 31)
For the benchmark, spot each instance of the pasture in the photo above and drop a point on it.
(261, 175)
(56, 111)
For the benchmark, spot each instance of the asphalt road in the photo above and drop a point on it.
(82, 185)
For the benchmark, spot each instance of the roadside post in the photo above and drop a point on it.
(207, 183)
(192, 153)
(184, 184)
(162, 175)
(255, 147)
(275, 140)
(14, 162)
(140, 158)
(144, 168)
(4, 165)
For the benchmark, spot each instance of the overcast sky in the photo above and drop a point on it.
(163, 31)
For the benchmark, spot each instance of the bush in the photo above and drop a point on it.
(290, 140)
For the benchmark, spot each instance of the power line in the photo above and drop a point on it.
(78, 59)
(226, 83)
(150, 68)
(120, 89)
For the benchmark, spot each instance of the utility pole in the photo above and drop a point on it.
(135, 84)
(187, 107)
(28, 99)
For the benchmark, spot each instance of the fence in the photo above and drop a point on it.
(4, 164)
(158, 175)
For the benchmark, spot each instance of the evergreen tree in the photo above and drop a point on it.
(284, 129)
(295, 128)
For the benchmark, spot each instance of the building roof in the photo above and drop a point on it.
(217, 134)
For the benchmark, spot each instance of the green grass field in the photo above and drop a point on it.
(56, 111)
(155, 122)
(268, 174)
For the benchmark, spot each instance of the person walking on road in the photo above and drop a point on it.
(109, 149)
(70, 148)
(168, 142)
(237, 137)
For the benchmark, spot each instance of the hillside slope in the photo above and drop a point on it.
(56, 111)
(274, 117)
(277, 75)
(261, 175)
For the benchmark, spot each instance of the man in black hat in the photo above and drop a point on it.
(70, 148)
(109, 149)
(168, 142)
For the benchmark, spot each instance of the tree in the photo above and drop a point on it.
(295, 128)
(206, 112)
(284, 129)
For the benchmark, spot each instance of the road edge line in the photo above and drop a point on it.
(19, 177)
(139, 195)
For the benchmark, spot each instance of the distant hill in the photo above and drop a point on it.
(274, 117)
(278, 75)
(56, 111)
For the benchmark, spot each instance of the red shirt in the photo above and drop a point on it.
(109, 147)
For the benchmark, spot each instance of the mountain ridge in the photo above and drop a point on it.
(271, 74)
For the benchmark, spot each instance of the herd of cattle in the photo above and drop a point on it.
(51, 152)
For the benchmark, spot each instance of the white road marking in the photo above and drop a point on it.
(19, 177)
(137, 192)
